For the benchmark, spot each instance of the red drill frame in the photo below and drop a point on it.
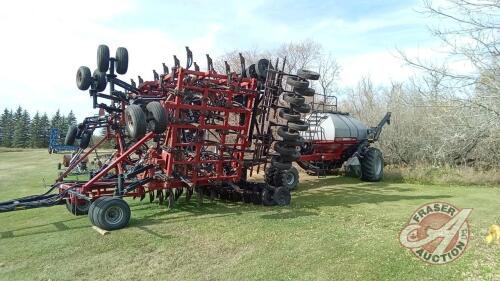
(177, 170)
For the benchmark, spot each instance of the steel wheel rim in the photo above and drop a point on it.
(290, 178)
(113, 215)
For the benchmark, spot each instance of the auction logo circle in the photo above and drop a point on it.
(437, 232)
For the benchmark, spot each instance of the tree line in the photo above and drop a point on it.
(18, 129)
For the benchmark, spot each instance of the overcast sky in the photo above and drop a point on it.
(44, 42)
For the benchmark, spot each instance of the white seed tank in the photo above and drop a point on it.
(328, 126)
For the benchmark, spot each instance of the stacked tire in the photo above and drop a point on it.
(281, 172)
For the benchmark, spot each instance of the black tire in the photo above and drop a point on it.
(156, 117)
(70, 135)
(297, 83)
(288, 178)
(306, 92)
(298, 142)
(287, 135)
(121, 60)
(280, 163)
(270, 174)
(85, 139)
(92, 208)
(282, 196)
(83, 78)
(288, 115)
(303, 108)
(307, 74)
(372, 165)
(103, 58)
(261, 68)
(291, 157)
(353, 171)
(111, 213)
(293, 98)
(251, 71)
(267, 197)
(77, 210)
(282, 148)
(100, 82)
(135, 121)
(298, 126)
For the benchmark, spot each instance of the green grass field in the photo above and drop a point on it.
(336, 229)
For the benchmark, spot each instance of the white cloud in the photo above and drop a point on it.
(44, 42)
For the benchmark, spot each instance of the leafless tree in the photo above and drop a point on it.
(329, 70)
(464, 102)
(303, 54)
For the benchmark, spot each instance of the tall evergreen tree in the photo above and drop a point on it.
(44, 130)
(17, 127)
(6, 128)
(71, 119)
(58, 122)
(21, 136)
(35, 132)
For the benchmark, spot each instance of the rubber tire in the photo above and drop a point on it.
(298, 142)
(282, 196)
(286, 135)
(290, 157)
(282, 178)
(251, 71)
(261, 68)
(306, 92)
(353, 171)
(85, 139)
(282, 149)
(288, 115)
(267, 197)
(298, 126)
(307, 74)
(100, 82)
(92, 208)
(297, 83)
(83, 78)
(303, 108)
(293, 98)
(269, 175)
(121, 60)
(157, 117)
(135, 121)
(99, 213)
(372, 165)
(103, 58)
(78, 211)
(70, 135)
(280, 163)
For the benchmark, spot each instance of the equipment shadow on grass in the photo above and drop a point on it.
(311, 195)
(40, 229)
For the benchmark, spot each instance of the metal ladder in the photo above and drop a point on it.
(315, 132)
